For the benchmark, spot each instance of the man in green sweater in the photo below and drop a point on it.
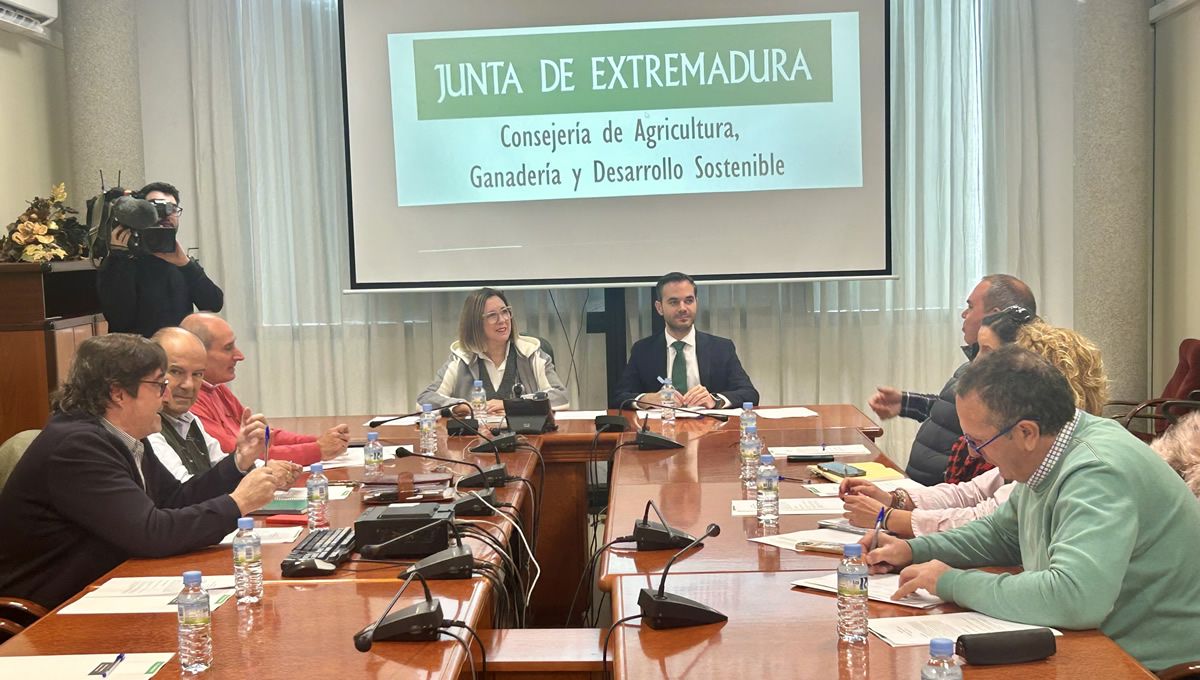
(1107, 534)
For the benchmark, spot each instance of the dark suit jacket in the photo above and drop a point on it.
(75, 507)
(720, 370)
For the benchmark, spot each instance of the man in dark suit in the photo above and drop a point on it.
(704, 369)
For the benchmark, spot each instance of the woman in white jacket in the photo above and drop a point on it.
(490, 350)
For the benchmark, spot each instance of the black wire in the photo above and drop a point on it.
(536, 510)
(494, 544)
(604, 654)
(482, 651)
(466, 650)
(567, 336)
(591, 569)
(596, 617)
(541, 488)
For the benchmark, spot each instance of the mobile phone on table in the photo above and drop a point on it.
(841, 469)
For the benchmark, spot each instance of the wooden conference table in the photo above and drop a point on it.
(305, 626)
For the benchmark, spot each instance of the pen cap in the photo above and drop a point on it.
(372, 436)
(245, 523)
(191, 578)
(852, 550)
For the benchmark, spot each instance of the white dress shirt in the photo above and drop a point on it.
(692, 363)
(170, 459)
(495, 373)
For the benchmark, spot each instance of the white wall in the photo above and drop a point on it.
(34, 137)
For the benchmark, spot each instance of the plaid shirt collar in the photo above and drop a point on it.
(134, 445)
(1057, 449)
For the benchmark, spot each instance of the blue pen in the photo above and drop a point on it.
(878, 527)
(113, 666)
(267, 445)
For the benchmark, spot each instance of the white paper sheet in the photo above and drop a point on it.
(69, 666)
(788, 541)
(912, 631)
(147, 595)
(657, 414)
(879, 588)
(831, 488)
(785, 412)
(337, 492)
(578, 415)
(828, 450)
(410, 420)
(353, 457)
(269, 535)
(792, 506)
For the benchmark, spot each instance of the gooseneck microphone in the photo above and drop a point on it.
(658, 535)
(493, 475)
(419, 622)
(661, 610)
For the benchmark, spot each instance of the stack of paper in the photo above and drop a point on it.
(578, 415)
(792, 506)
(83, 666)
(911, 631)
(146, 595)
(785, 412)
(269, 535)
(353, 457)
(874, 472)
(788, 541)
(879, 588)
(338, 492)
(822, 450)
(889, 485)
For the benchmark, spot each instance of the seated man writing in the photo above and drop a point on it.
(85, 496)
(221, 412)
(1106, 532)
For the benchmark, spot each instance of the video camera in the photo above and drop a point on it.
(152, 230)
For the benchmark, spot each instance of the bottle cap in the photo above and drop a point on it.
(372, 436)
(427, 408)
(316, 468)
(747, 405)
(852, 550)
(191, 578)
(478, 383)
(245, 523)
(941, 647)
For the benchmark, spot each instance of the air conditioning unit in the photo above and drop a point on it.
(28, 16)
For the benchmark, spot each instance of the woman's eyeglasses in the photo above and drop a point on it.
(494, 317)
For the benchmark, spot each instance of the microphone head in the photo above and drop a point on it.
(402, 452)
(135, 213)
(713, 530)
(362, 641)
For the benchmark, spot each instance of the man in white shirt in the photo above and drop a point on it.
(182, 445)
(704, 369)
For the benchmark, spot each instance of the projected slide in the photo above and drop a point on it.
(631, 109)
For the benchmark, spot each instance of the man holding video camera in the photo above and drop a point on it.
(148, 282)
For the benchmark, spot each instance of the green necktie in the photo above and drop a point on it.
(679, 367)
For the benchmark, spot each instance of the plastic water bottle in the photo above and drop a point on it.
(195, 625)
(750, 448)
(747, 418)
(318, 497)
(768, 491)
(666, 397)
(247, 563)
(942, 664)
(428, 429)
(852, 595)
(478, 402)
(372, 456)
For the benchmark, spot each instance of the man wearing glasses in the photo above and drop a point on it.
(142, 293)
(1106, 532)
(86, 495)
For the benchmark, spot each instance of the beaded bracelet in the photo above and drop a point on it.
(887, 515)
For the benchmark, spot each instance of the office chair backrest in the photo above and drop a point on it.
(12, 450)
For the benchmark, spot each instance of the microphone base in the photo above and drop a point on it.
(494, 475)
(673, 611)
(470, 506)
(454, 562)
(417, 623)
(655, 536)
(503, 444)
(648, 441)
(461, 427)
(611, 424)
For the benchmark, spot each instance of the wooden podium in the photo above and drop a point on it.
(46, 310)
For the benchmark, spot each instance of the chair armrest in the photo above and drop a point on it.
(1181, 671)
(1136, 411)
(33, 609)
(1174, 409)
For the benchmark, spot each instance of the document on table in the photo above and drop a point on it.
(83, 666)
(270, 535)
(146, 595)
(827, 450)
(339, 492)
(785, 412)
(879, 588)
(578, 415)
(657, 413)
(410, 420)
(353, 457)
(788, 540)
(792, 506)
(912, 631)
(889, 485)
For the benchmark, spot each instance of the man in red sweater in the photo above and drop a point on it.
(221, 412)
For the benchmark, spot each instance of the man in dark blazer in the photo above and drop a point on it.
(704, 369)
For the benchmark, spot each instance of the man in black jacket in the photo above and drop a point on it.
(142, 293)
(936, 412)
(704, 369)
(88, 494)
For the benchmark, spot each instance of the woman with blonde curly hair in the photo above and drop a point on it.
(1180, 447)
(946, 506)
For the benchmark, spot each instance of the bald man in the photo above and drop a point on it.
(221, 412)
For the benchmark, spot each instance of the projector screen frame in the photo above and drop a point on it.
(885, 273)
